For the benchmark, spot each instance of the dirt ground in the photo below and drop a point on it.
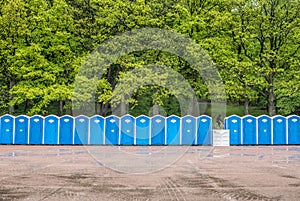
(202, 173)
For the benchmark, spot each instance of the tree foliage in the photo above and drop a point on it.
(255, 45)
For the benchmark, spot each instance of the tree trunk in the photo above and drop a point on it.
(26, 105)
(246, 106)
(123, 108)
(120, 109)
(11, 108)
(69, 108)
(98, 108)
(271, 104)
(104, 109)
(60, 108)
(155, 110)
(271, 95)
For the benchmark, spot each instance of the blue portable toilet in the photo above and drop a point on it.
(36, 129)
(204, 130)
(249, 130)
(234, 125)
(142, 127)
(127, 130)
(96, 130)
(66, 130)
(279, 130)
(112, 130)
(7, 130)
(81, 130)
(21, 129)
(51, 130)
(264, 124)
(293, 129)
(188, 130)
(173, 130)
(158, 130)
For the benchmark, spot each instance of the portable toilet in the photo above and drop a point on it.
(36, 129)
(97, 130)
(249, 130)
(127, 130)
(264, 128)
(204, 130)
(142, 126)
(66, 130)
(234, 125)
(158, 130)
(21, 129)
(173, 130)
(279, 130)
(293, 122)
(188, 130)
(112, 130)
(51, 130)
(7, 129)
(81, 130)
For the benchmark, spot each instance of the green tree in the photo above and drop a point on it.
(266, 36)
(44, 64)
(13, 35)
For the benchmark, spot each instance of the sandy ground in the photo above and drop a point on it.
(202, 173)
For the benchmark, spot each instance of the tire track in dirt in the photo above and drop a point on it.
(20, 191)
(167, 191)
(176, 187)
(68, 190)
(161, 188)
(172, 189)
(222, 188)
(75, 182)
(48, 195)
(11, 194)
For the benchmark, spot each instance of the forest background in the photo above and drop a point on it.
(255, 45)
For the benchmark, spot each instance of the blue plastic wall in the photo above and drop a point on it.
(142, 126)
(293, 129)
(97, 130)
(51, 130)
(143, 130)
(36, 130)
(264, 130)
(81, 130)
(249, 130)
(188, 130)
(204, 130)
(112, 130)
(158, 130)
(7, 130)
(21, 129)
(279, 130)
(234, 125)
(66, 130)
(127, 130)
(173, 130)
